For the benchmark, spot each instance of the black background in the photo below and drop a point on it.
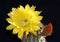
(51, 13)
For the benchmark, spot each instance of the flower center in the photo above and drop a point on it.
(25, 20)
(24, 23)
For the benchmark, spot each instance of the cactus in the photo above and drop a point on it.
(32, 38)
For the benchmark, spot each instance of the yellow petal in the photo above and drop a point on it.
(27, 32)
(9, 20)
(21, 8)
(27, 7)
(34, 33)
(10, 14)
(20, 34)
(10, 27)
(33, 8)
(38, 12)
(39, 18)
(15, 30)
(40, 24)
(13, 9)
(36, 28)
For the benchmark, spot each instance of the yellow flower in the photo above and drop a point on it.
(24, 20)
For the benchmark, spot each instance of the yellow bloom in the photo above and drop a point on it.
(24, 20)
